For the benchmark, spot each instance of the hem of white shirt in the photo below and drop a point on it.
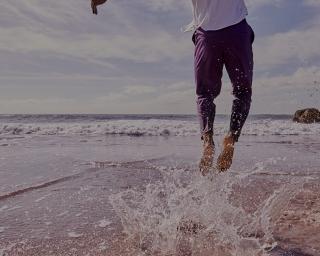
(192, 27)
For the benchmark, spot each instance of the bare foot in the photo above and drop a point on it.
(225, 158)
(206, 161)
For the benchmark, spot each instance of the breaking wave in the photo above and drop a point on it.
(155, 127)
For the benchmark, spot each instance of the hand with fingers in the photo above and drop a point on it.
(95, 3)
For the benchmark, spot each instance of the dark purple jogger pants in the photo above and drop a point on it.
(232, 47)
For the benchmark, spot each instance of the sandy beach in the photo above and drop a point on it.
(93, 194)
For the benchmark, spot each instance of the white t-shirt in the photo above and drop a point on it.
(216, 14)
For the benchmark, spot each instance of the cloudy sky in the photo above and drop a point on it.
(56, 57)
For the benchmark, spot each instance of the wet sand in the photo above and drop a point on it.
(121, 195)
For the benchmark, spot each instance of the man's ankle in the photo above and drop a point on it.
(207, 135)
(207, 138)
(230, 139)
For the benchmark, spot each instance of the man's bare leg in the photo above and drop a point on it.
(206, 161)
(225, 158)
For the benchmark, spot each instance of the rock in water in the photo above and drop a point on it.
(307, 116)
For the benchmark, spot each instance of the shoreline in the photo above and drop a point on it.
(147, 186)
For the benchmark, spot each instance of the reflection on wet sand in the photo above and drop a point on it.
(268, 204)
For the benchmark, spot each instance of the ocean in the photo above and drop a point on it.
(145, 125)
(129, 185)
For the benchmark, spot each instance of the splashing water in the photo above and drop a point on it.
(187, 214)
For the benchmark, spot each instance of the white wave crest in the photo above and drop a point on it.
(154, 127)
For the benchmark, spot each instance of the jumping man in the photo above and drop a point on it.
(222, 37)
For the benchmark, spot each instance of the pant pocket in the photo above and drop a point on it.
(252, 34)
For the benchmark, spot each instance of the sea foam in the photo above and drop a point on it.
(155, 127)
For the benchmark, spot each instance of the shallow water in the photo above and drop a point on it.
(124, 195)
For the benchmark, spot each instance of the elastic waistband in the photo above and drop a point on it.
(242, 22)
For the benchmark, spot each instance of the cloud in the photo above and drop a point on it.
(40, 105)
(166, 5)
(303, 78)
(132, 57)
(254, 4)
(54, 28)
(139, 90)
(147, 47)
(286, 92)
(315, 3)
(292, 46)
